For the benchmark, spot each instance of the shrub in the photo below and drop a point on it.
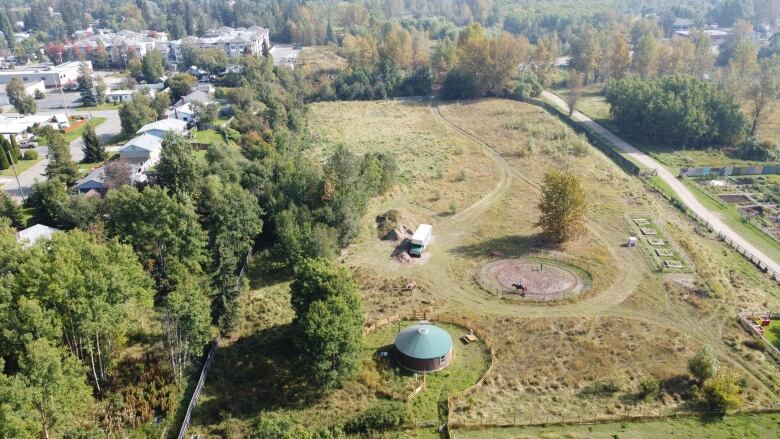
(704, 364)
(648, 387)
(527, 86)
(30, 155)
(384, 415)
(39, 94)
(612, 384)
(724, 392)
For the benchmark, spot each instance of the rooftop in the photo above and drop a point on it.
(169, 124)
(144, 141)
(423, 341)
(30, 235)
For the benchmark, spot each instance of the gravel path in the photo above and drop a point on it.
(677, 186)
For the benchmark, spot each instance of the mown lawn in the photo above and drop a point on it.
(207, 136)
(21, 166)
(75, 134)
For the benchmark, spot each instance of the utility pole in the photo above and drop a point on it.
(62, 92)
(13, 165)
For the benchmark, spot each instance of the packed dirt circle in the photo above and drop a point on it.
(531, 279)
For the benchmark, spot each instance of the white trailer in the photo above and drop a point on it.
(420, 239)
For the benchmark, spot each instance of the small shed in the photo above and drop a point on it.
(423, 348)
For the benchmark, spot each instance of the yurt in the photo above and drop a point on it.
(423, 348)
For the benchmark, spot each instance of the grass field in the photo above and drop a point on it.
(487, 159)
(75, 134)
(315, 59)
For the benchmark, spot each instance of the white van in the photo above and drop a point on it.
(420, 239)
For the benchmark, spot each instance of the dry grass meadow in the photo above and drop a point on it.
(473, 170)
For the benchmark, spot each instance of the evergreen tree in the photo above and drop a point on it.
(7, 29)
(94, 151)
(86, 87)
(10, 209)
(4, 162)
(17, 153)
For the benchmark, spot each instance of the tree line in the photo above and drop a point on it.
(155, 269)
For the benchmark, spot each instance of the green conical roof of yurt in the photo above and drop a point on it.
(423, 341)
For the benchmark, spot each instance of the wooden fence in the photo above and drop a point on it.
(487, 349)
(744, 320)
(628, 415)
(209, 361)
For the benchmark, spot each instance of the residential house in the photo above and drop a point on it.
(119, 96)
(20, 126)
(164, 126)
(197, 96)
(31, 235)
(93, 181)
(142, 151)
(184, 112)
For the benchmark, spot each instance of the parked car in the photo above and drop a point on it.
(29, 144)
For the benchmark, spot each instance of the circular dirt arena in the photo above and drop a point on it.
(542, 280)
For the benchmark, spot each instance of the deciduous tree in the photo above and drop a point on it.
(563, 204)
(153, 66)
(328, 320)
(46, 396)
(18, 97)
(164, 231)
(179, 169)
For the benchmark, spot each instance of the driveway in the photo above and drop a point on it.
(677, 186)
(105, 131)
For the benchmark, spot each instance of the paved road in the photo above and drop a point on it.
(105, 132)
(682, 191)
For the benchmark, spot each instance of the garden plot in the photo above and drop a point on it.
(755, 197)
(658, 247)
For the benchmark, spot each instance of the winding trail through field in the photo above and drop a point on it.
(621, 288)
(608, 302)
(677, 186)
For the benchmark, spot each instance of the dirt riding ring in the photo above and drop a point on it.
(534, 279)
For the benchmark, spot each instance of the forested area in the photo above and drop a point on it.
(118, 307)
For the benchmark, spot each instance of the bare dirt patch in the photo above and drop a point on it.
(532, 279)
